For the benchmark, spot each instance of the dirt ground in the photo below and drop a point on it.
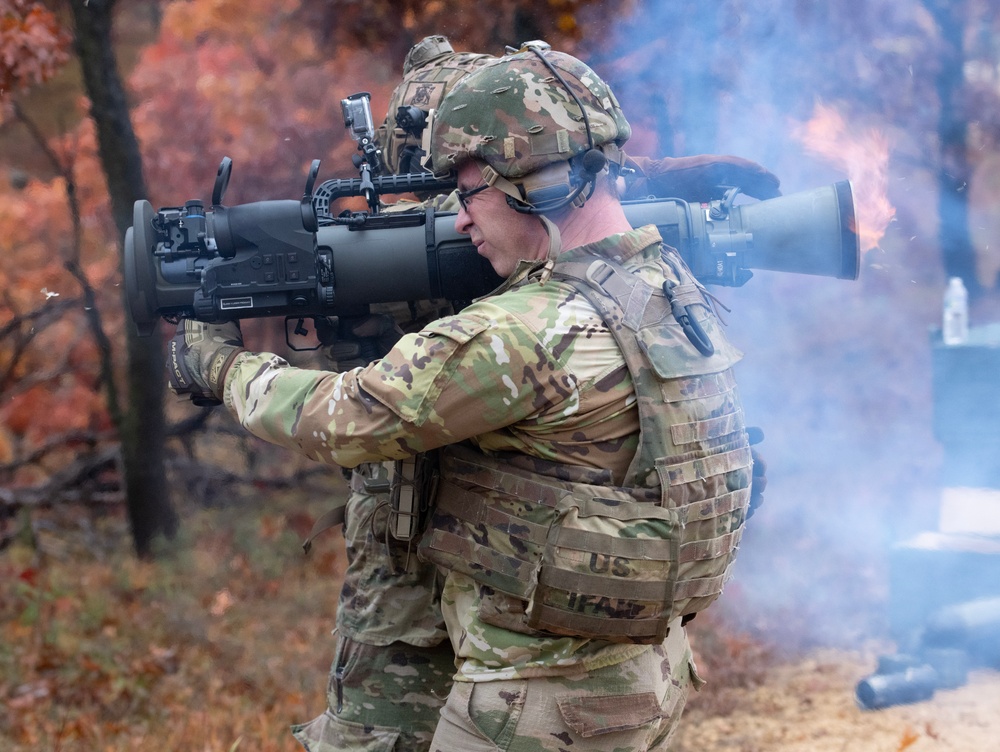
(809, 707)
(224, 641)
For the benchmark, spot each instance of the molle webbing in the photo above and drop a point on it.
(628, 305)
(512, 565)
(588, 559)
(687, 433)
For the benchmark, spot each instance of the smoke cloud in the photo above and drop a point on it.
(838, 374)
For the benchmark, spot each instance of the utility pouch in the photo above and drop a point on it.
(412, 486)
(559, 557)
(608, 571)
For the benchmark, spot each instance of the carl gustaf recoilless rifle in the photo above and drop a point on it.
(294, 258)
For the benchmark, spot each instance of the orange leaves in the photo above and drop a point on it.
(32, 421)
(48, 359)
(32, 223)
(235, 21)
(261, 82)
(44, 411)
(909, 738)
(19, 412)
(32, 44)
(262, 98)
(37, 235)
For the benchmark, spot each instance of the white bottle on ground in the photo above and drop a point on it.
(955, 323)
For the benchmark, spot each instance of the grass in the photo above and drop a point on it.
(219, 644)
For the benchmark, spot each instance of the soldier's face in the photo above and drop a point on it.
(500, 234)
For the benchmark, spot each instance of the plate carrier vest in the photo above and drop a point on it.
(562, 551)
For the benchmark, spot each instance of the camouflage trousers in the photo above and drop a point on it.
(634, 706)
(381, 699)
(393, 670)
(393, 665)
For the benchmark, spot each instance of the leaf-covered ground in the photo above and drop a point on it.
(225, 640)
(808, 706)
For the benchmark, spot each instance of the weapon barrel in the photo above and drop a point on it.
(264, 259)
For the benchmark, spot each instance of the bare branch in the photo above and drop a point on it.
(72, 264)
(36, 317)
(55, 443)
(75, 482)
(22, 329)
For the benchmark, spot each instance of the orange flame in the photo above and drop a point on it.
(864, 156)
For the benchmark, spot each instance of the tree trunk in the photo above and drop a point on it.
(954, 171)
(143, 426)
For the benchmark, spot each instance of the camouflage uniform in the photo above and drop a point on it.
(533, 372)
(566, 396)
(393, 663)
(431, 67)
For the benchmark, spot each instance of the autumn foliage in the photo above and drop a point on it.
(32, 45)
(259, 82)
(115, 654)
(49, 373)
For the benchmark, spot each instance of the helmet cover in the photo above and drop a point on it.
(516, 115)
(431, 68)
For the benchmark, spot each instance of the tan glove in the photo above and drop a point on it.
(198, 357)
(697, 178)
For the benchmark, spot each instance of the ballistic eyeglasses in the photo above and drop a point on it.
(464, 196)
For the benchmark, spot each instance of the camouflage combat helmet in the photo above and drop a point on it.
(427, 49)
(530, 110)
(430, 69)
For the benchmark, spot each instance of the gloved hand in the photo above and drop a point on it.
(198, 357)
(697, 178)
(356, 341)
(758, 480)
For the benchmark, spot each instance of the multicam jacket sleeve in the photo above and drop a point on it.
(500, 371)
